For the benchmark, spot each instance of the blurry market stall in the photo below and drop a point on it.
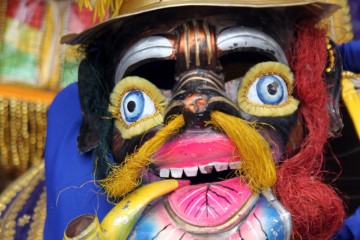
(33, 67)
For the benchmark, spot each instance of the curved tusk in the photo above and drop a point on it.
(119, 222)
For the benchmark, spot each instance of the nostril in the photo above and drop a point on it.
(195, 110)
(196, 120)
(196, 103)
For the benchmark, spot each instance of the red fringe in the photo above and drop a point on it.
(317, 211)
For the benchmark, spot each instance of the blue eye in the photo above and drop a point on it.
(133, 106)
(269, 89)
(136, 105)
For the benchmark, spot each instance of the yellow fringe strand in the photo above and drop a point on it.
(257, 165)
(102, 7)
(126, 176)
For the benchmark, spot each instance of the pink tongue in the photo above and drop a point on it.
(209, 204)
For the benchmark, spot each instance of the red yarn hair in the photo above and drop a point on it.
(316, 209)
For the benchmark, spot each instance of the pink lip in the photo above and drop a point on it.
(209, 204)
(194, 148)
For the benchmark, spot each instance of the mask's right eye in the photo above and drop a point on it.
(137, 106)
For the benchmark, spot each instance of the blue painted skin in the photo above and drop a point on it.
(272, 223)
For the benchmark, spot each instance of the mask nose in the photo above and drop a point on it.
(200, 86)
(195, 110)
(196, 94)
(196, 103)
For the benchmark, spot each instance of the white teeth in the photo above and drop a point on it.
(206, 169)
(191, 171)
(221, 166)
(164, 172)
(176, 172)
(234, 165)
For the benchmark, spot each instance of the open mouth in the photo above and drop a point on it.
(211, 172)
(209, 160)
(199, 157)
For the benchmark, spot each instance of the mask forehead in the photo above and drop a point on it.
(277, 23)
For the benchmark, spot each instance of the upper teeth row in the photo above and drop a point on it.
(193, 171)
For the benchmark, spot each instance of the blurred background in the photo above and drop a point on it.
(34, 66)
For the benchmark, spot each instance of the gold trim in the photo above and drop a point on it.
(37, 226)
(15, 129)
(4, 134)
(331, 56)
(24, 220)
(349, 75)
(17, 194)
(22, 130)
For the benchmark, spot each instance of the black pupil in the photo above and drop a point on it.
(272, 88)
(131, 106)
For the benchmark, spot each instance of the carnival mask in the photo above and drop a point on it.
(206, 108)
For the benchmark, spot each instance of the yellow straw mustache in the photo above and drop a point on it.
(257, 167)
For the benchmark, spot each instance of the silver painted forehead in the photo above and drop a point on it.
(243, 37)
(159, 47)
(146, 48)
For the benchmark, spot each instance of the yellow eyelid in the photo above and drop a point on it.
(136, 83)
(268, 68)
(266, 110)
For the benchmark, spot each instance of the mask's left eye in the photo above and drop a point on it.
(266, 91)
(137, 106)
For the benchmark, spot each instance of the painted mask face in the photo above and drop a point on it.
(204, 108)
(214, 97)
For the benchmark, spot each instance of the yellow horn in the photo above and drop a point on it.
(120, 220)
